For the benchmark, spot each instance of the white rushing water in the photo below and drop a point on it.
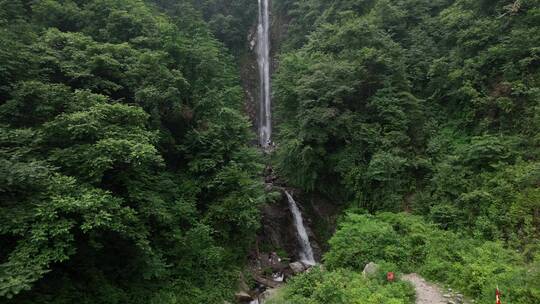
(306, 252)
(278, 277)
(263, 59)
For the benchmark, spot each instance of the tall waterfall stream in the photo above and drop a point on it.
(265, 120)
(263, 59)
(265, 127)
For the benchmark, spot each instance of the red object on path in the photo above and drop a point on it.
(498, 296)
(390, 276)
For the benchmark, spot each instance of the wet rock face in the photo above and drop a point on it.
(279, 232)
(276, 228)
(250, 80)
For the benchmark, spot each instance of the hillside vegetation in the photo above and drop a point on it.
(126, 174)
(428, 107)
(129, 174)
(403, 243)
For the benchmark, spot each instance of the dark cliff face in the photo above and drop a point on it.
(279, 233)
(279, 32)
(249, 75)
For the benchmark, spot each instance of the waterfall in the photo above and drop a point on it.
(306, 252)
(263, 59)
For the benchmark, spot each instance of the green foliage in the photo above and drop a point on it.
(340, 287)
(372, 241)
(229, 20)
(410, 244)
(346, 112)
(425, 106)
(126, 174)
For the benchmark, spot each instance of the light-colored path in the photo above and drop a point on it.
(426, 293)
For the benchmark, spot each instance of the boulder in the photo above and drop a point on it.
(268, 294)
(266, 282)
(243, 296)
(370, 270)
(297, 267)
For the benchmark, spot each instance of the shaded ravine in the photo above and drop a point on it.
(265, 122)
(302, 247)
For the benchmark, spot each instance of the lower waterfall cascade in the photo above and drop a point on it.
(306, 251)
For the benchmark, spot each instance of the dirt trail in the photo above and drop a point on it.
(426, 293)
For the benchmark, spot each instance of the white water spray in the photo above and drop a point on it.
(263, 59)
(306, 252)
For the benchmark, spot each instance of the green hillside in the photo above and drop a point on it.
(129, 171)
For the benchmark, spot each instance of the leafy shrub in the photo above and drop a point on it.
(360, 240)
(410, 244)
(343, 287)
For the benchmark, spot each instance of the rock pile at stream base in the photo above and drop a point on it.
(270, 272)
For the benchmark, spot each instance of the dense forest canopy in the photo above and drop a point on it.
(426, 106)
(429, 107)
(128, 172)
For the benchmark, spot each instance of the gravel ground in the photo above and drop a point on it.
(426, 293)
